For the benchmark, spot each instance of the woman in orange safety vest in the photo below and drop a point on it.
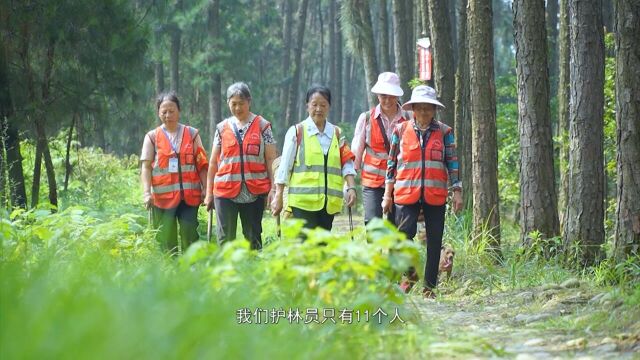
(240, 170)
(422, 163)
(173, 172)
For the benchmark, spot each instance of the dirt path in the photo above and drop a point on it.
(564, 321)
(530, 324)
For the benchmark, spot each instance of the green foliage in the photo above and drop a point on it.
(610, 136)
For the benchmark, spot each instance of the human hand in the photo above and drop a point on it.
(209, 203)
(351, 197)
(269, 198)
(276, 204)
(387, 203)
(147, 200)
(457, 201)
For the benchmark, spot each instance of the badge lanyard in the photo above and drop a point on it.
(173, 162)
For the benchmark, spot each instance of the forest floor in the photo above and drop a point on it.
(572, 319)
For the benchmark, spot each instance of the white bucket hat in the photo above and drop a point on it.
(422, 94)
(388, 84)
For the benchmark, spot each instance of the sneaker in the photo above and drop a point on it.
(428, 293)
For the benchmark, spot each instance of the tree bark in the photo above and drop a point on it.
(40, 128)
(358, 32)
(486, 212)
(607, 15)
(402, 21)
(585, 209)
(385, 60)
(339, 82)
(176, 35)
(297, 65)
(287, 26)
(215, 96)
(347, 101)
(67, 157)
(444, 66)
(552, 31)
(463, 119)
(627, 236)
(563, 108)
(538, 207)
(10, 137)
(453, 9)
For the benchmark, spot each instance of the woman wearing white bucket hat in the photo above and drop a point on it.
(371, 142)
(422, 160)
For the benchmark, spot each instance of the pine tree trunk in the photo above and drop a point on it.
(347, 100)
(538, 207)
(287, 26)
(444, 66)
(552, 32)
(175, 58)
(463, 119)
(486, 213)
(585, 209)
(563, 108)
(607, 15)
(627, 238)
(67, 157)
(358, 32)
(339, 82)
(14, 182)
(402, 22)
(215, 96)
(453, 9)
(291, 113)
(385, 60)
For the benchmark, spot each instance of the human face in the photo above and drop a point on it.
(388, 103)
(318, 107)
(424, 112)
(169, 114)
(239, 107)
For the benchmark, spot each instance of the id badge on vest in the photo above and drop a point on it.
(173, 165)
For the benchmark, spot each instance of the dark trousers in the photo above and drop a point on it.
(250, 215)
(372, 201)
(165, 221)
(407, 220)
(314, 219)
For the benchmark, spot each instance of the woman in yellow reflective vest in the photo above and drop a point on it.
(315, 159)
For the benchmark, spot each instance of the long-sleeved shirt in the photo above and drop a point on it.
(450, 155)
(363, 126)
(325, 137)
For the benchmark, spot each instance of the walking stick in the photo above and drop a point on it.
(278, 229)
(209, 225)
(351, 222)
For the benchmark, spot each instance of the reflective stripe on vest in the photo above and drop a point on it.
(236, 164)
(167, 188)
(374, 168)
(307, 185)
(421, 172)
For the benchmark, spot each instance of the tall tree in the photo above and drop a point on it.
(627, 239)
(403, 24)
(358, 32)
(563, 106)
(10, 135)
(538, 202)
(552, 32)
(292, 103)
(584, 220)
(463, 119)
(215, 98)
(385, 60)
(287, 26)
(486, 212)
(444, 66)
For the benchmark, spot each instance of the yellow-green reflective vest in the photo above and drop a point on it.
(311, 179)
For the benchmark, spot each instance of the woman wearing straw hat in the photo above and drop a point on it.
(371, 142)
(422, 160)
(240, 175)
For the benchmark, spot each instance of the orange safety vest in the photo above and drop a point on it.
(374, 167)
(242, 160)
(169, 188)
(421, 172)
